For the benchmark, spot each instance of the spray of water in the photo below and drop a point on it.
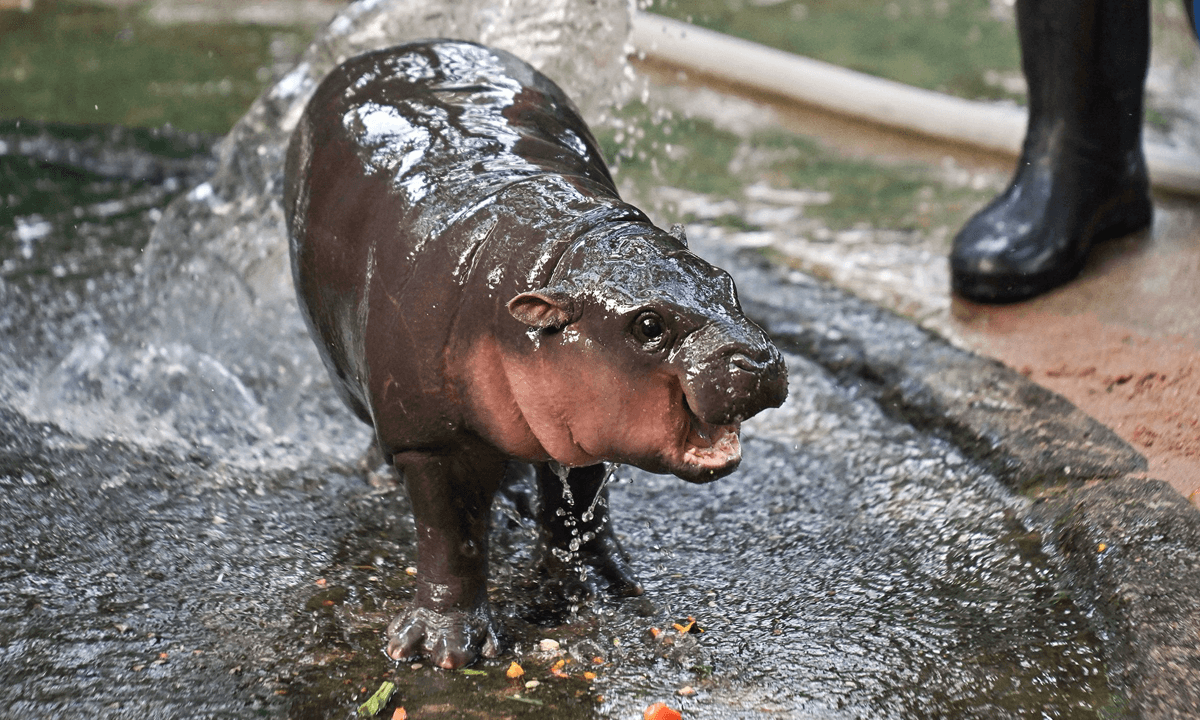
(209, 351)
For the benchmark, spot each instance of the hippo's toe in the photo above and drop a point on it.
(450, 639)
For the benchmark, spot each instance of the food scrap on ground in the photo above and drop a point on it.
(689, 627)
(549, 645)
(376, 702)
(660, 711)
(515, 671)
(400, 714)
(686, 691)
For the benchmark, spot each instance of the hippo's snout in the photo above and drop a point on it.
(754, 384)
(734, 378)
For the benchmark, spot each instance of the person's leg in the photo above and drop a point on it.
(1081, 177)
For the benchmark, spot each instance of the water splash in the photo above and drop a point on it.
(564, 473)
(590, 512)
(207, 348)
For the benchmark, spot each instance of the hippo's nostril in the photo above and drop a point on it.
(742, 361)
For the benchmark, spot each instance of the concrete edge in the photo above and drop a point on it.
(1142, 586)
(1147, 603)
(991, 126)
(1028, 435)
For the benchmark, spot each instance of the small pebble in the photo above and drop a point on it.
(549, 645)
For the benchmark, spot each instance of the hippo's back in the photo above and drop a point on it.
(439, 120)
(405, 163)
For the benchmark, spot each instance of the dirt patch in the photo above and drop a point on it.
(1146, 389)
(1122, 342)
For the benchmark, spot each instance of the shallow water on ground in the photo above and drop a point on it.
(189, 532)
(853, 568)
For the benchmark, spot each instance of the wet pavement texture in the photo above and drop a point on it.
(1130, 316)
(202, 543)
(136, 584)
(855, 567)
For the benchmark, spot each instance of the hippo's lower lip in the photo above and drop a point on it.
(710, 451)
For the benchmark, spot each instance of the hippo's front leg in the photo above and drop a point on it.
(451, 620)
(576, 532)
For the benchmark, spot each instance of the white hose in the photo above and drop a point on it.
(989, 126)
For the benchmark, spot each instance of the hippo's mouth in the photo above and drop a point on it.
(709, 451)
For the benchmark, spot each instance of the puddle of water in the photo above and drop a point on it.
(855, 569)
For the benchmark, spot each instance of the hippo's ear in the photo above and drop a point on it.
(676, 232)
(544, 309)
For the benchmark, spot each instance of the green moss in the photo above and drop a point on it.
(83, 63)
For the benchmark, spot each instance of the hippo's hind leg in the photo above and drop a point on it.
(520, 488)
(577, 537)
(451, 621)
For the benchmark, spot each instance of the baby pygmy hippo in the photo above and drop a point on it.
(481, 295)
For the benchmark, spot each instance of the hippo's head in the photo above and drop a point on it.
(645, 357)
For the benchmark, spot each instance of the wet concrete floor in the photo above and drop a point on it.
(1132, 315)
(868, 561)
(859, 566)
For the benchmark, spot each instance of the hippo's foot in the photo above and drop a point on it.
(610, 561)
(519, 488)
(449, 639)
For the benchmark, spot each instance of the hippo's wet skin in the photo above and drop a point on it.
(482, 296)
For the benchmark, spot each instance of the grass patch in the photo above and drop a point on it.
(693, 154)
(82, 63)
(935, 44)
(685, 153)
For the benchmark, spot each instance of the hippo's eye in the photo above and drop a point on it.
(648, 328)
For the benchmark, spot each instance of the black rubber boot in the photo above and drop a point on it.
(1082, 177)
